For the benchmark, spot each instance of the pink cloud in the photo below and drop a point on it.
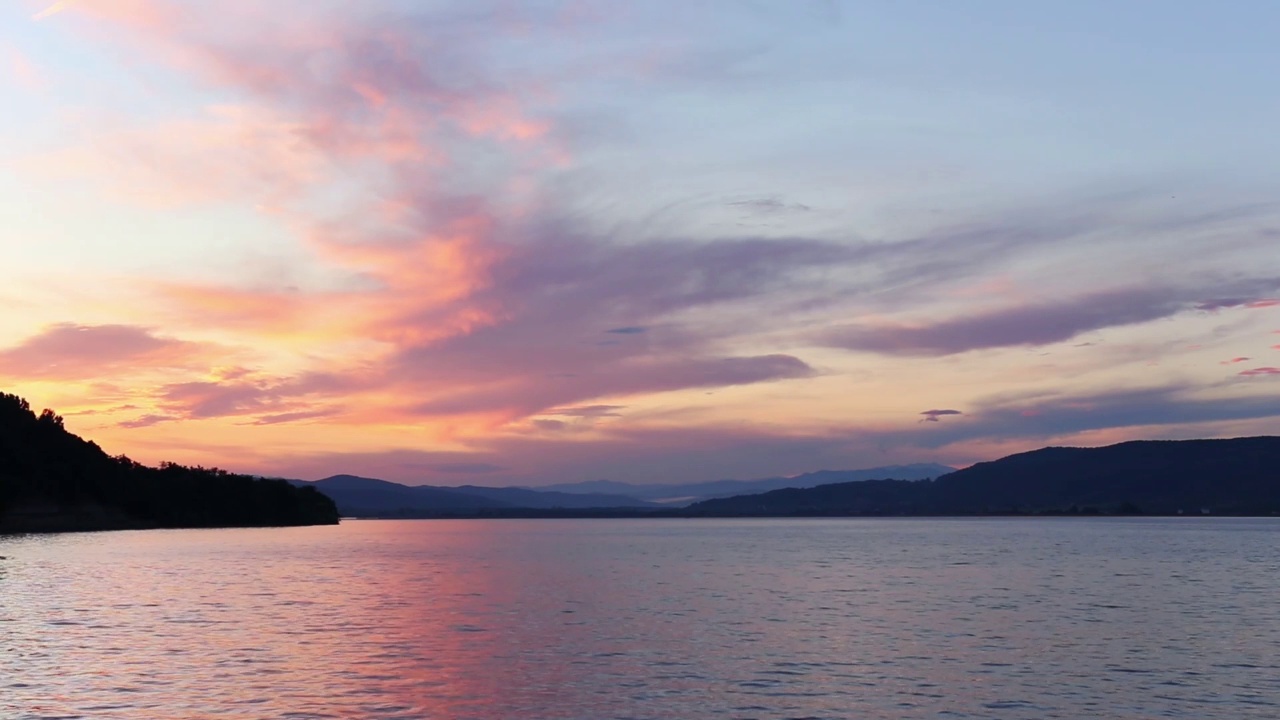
(1260, 371)
(1234, 360)
(273, 400)
(23, 71)
(69, 351)
(146, 421)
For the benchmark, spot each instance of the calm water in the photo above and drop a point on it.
(588, 619)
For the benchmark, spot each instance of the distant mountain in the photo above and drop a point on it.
(1230, 477)
(358, 496)
(53, 480)
(1235, 476)
(539, 498)
(684, 493)
(369, 497)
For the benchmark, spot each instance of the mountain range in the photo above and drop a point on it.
(686, 493)
(361, 496)
(1238, 476)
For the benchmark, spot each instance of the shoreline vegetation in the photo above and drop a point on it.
(54, 481)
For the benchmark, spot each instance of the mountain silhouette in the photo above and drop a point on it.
(676, 494)
(1229, 477)
(371, 497)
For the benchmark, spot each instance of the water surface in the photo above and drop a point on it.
(875, 619)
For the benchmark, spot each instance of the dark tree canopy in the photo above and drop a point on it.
(51, 479)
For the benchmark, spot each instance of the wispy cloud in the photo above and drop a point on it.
(588, 411)
(147, 420)
(297, 416)
(1043, 417)
(769, 205)
(1260, 371)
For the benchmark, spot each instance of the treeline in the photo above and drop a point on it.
(51, 479)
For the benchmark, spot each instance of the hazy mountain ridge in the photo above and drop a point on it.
(727, 488)
(1238, 476)
(360, 496)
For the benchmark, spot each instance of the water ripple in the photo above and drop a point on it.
(873, 619)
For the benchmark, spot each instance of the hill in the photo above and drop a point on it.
(367, 497)
(1228, 477)
(53, 480)
(370, 497)
(1236, 476)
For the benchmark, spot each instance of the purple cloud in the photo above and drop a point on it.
(529, 394)
(1225, 303)
(1025, 325)
(936, 415)
(770, 205)
(1037, 418)
(588, 411)
(289, 417)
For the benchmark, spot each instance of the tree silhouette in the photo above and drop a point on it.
(51, 479)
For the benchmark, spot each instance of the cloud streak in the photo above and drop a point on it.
(1041, 323)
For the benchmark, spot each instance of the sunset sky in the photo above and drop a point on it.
(529, 242)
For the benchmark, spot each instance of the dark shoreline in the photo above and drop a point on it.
(536, 514)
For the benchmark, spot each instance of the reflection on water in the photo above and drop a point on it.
(591, 619)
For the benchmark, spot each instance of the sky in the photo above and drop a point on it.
(502, 243)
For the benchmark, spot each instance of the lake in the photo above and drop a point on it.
(859, 618)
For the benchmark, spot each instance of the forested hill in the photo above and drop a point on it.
(1240, 476)
(53, 480)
